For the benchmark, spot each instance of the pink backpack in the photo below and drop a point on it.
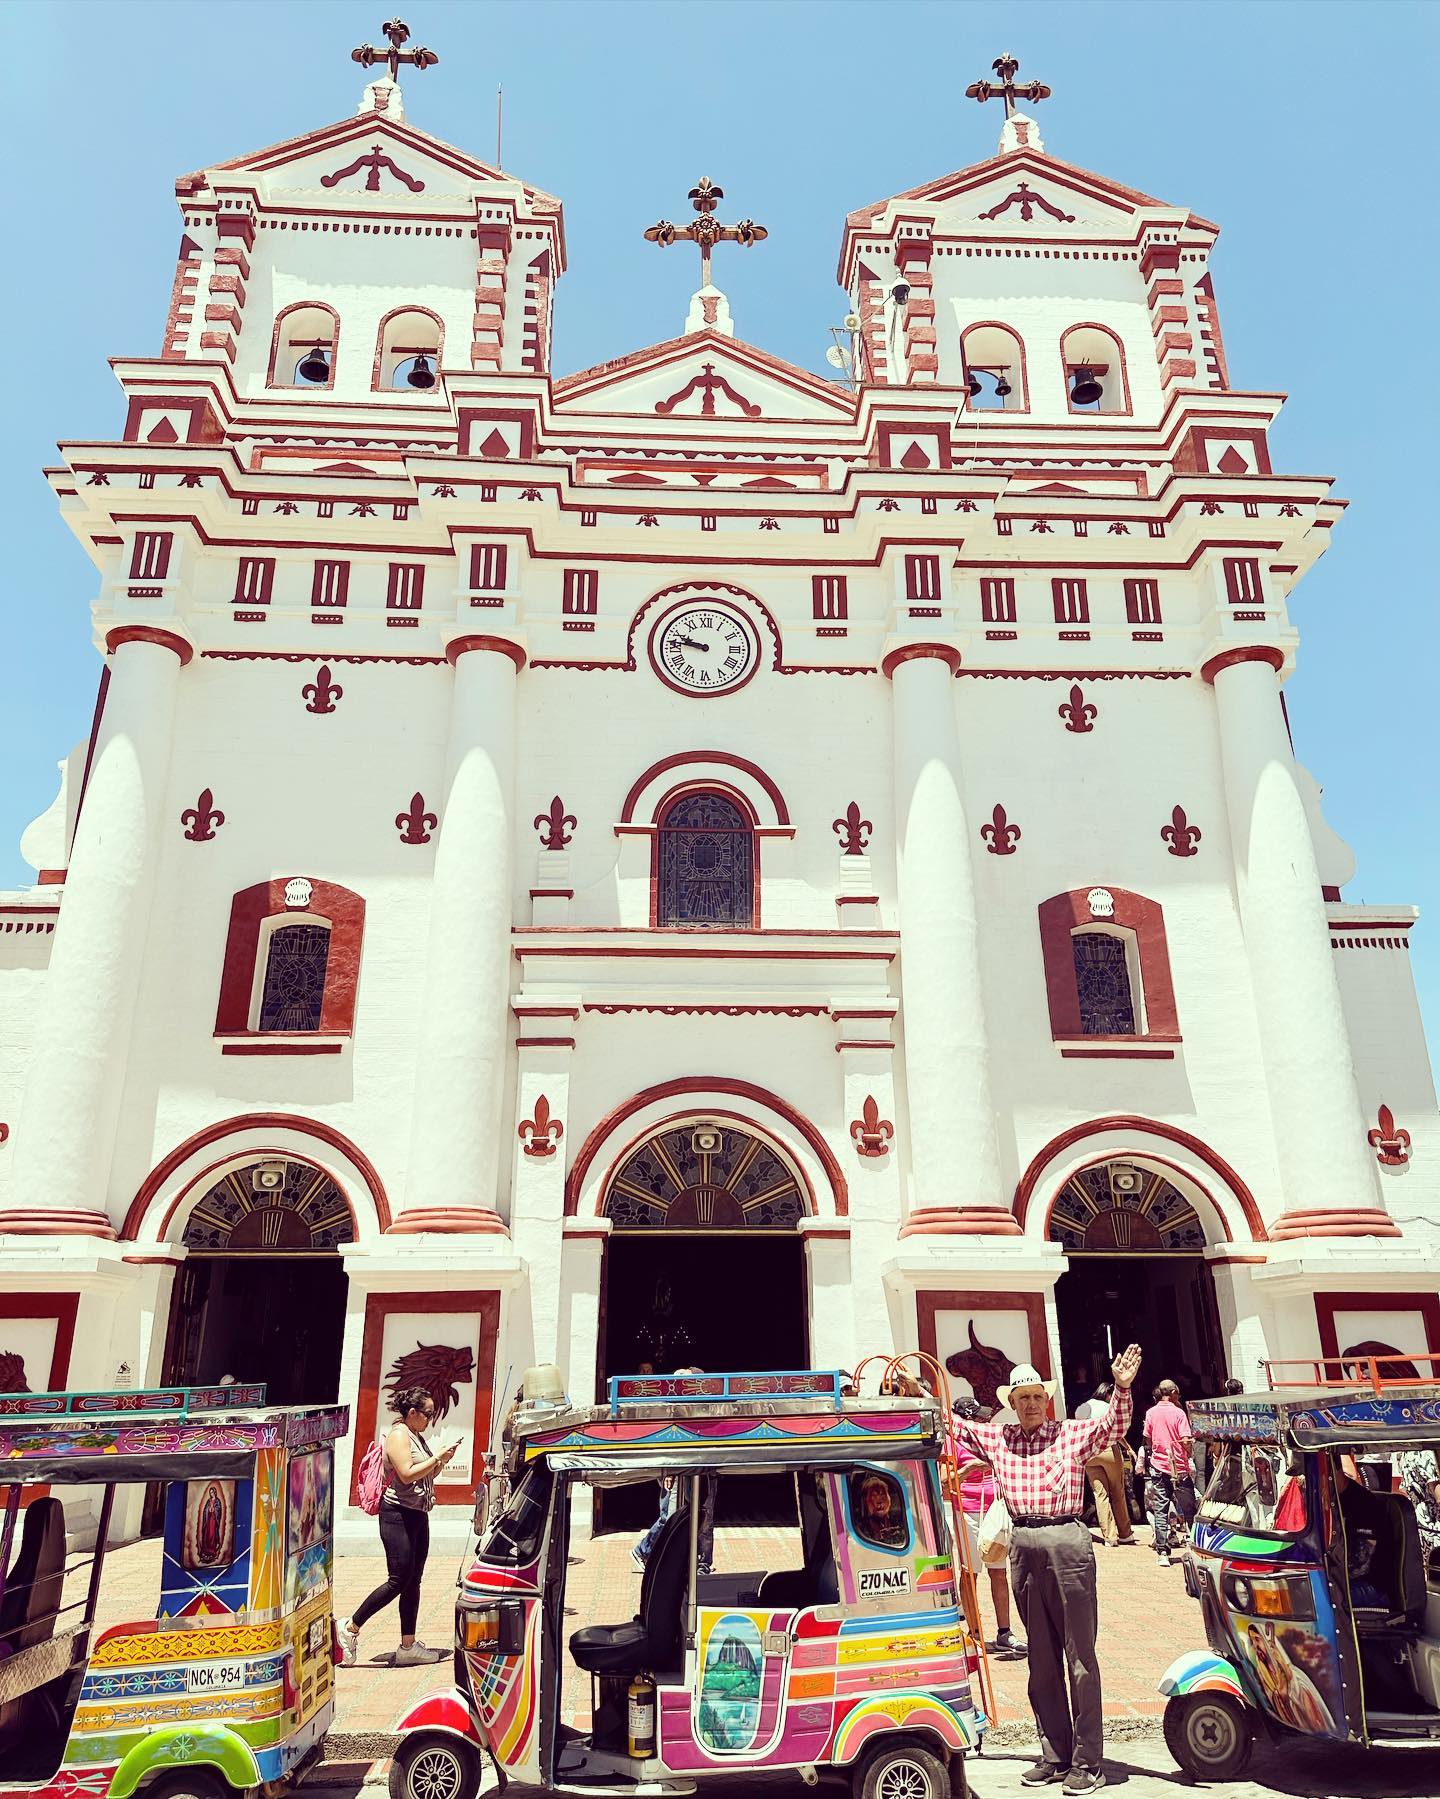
(373, 1476)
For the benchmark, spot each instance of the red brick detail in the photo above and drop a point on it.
(168, 640)
(223, 315)
(1257, 652)
(1145, 920)
(218, 340)
(452, 1221)
(1177, 371)
(248, 912)
(1366, 1221)
(229, 255)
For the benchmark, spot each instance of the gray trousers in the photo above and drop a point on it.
(1052, 1572)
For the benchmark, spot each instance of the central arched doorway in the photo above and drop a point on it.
(704, 1267)
(260, 1295)
(1134, 1244)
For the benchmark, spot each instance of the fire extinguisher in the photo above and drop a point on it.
(641, 1697)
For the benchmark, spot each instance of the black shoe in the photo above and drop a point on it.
(1044, 1774)
(1084, 1780)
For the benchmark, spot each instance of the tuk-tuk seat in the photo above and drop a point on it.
(1408, 1583)
(34, 1583)
(650, 1642)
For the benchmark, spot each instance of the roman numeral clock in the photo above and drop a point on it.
(704, 647)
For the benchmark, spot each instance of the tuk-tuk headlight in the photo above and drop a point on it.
(1263, 1597)
(481, 1629)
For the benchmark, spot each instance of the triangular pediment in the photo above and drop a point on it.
(708, 378)
(368, 154)
(1027, 191)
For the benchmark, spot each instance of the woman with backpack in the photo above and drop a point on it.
(405, 1474)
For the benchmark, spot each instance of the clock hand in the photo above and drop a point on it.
(692, 643)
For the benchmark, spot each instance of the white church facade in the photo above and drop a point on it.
(694, 861)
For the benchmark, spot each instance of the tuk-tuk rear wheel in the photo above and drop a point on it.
(435, 1766)
(196, 1785)
(901, 1771)
(1209, 1734)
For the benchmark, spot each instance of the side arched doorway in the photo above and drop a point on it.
(704, 1268)
(261, 1292)
(1135, 1272)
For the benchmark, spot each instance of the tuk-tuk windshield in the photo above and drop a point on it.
(517, 1532)
(1252, 1486)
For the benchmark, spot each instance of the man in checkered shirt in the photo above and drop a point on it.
(1040, 1473)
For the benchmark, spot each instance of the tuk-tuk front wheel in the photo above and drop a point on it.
(1209, 1734)
(901, 1771)
(435, 1766)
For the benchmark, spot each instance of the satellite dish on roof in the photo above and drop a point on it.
(837, 358)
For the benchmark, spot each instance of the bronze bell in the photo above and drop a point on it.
(972, 385)
(1003, 389)
(1087, 390)
(421, 375)
(316, 366)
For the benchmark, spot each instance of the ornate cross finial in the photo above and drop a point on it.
(707, 231)
(1007, 88)
(398, 33)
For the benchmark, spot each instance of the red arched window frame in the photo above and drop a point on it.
(249, 911)
(1144, 920)
(396, 312)
(742, 805)
(1121, 411)
(316, 387)
(1022, 381)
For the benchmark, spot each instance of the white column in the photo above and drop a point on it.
(1327, 1170)
(954, 1152)
(455, 1131)
(66, 1134)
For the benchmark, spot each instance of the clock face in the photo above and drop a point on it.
(703, 648)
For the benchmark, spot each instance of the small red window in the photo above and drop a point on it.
(1242, 581)
(330, 585)
(488, 563)
(407, 587)
(1072, 602)
(1142, 601)
(830, 596)
(150, 560)
(254, 580)
(922, 579)
(582, 592)
(997, 600)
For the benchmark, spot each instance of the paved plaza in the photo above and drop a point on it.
(1146, 1621)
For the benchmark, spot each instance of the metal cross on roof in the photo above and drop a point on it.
(1007, 88)
(707, 231)
(398, 33)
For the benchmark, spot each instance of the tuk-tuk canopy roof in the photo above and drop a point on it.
(1326, 1417)
(164, 1433)
(784, 1420)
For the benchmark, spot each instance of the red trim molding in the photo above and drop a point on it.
(249, 910)
(1121, 1124)
(1144, 918)
(1328, 1304)
(915, 652)
(1251, 652)
(378, 1307)
(35, 1221)
(1357, 1221)
(167, 640)
(961, 1221)
(450, 1221)
(234, 1127)
(700, 760)
(746, 1090)
(501, 646)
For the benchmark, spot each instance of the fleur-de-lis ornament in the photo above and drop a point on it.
(1180, 835)
(1078, 712)
(415, 825)
(556, 827)
(853, 831)
(202, 820)
(870, 1132)
(1000, 835)
(1391, 1146)
(541, 1133)
(321, 694)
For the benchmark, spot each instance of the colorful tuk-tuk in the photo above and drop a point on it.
(1318, 1578)
(864, 1657)
(229, 1684)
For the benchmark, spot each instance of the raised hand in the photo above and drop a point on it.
(1126, 1365)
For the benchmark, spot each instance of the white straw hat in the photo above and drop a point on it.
(1024, 1376)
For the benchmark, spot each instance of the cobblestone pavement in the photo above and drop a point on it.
(1146, 1621)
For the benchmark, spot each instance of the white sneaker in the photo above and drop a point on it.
(1164, 1559)
(349, 1642)
(416, 1655)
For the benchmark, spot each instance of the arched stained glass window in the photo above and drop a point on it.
(705, 863)
(294, 992)
(1102, 979)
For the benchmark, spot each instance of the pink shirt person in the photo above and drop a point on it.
(1167, 1431)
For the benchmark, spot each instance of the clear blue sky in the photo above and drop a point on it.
(1306, 131)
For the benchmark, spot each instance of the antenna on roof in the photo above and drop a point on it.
(499, 120)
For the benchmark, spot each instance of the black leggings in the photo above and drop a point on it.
(405, 1534)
